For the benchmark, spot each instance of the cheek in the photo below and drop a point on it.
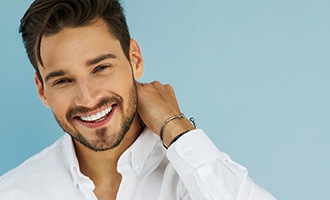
(59, 104)
(120, 82)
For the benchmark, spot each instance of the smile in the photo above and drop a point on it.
(100, 116)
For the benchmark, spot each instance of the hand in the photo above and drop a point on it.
(156, 103)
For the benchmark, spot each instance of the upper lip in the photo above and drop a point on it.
(94, 112)
(97, 115)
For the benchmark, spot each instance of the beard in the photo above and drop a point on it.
(103, 140)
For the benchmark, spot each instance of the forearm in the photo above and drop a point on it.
(208, 173)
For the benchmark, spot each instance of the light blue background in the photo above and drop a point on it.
(254, 74)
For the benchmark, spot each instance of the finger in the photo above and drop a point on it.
(169, 88)
(155, 82)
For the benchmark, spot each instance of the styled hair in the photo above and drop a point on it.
(48, 17)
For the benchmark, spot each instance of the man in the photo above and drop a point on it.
(126, 140)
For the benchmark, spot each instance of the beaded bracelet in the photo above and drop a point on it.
(175, 139)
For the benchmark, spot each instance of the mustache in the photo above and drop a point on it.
(72, 111)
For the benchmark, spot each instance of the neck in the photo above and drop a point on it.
(101, 167)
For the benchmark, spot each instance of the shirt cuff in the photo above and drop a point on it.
(195, 149)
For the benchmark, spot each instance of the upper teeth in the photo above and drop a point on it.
(97, 116)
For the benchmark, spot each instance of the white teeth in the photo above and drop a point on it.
(96, 116)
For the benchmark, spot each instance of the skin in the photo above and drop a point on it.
(75, 87)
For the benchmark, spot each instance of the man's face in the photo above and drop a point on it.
(89, 84)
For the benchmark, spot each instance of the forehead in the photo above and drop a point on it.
(79, 43)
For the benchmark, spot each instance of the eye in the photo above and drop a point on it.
(62, 81)
(100, 68)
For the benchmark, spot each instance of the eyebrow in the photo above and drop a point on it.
(54, 74)
(99, 59)
(88, 63)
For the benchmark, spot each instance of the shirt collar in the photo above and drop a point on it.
(147, 145)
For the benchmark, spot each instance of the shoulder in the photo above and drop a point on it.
(34, 173)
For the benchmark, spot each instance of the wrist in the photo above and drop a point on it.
(176, 128)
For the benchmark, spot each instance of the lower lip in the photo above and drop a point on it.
(94, 125)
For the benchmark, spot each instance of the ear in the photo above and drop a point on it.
(136, 59)
(40, 88)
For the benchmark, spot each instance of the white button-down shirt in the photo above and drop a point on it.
(192, 168)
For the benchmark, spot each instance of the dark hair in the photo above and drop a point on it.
(47, 17)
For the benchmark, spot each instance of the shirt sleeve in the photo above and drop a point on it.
(208, 173)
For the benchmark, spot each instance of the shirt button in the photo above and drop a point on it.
(137, 166)
(187, 153)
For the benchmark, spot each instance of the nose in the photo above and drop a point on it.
(87, 94)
